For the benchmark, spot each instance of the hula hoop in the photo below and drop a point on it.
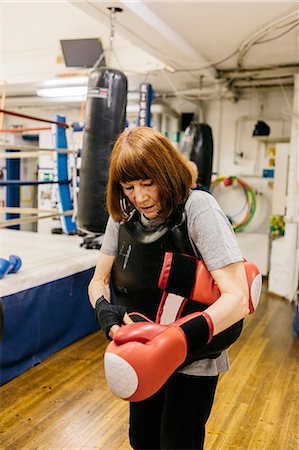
(250, 200)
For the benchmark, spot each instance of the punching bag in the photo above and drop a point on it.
(105, 119)
(198, 147)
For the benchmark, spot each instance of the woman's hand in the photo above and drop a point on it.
(126, 320)
(110, 317)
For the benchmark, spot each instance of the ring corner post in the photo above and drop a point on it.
(64, 194)
(12, 192)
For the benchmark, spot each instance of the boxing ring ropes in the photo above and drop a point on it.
(18, 152)
(50, 290)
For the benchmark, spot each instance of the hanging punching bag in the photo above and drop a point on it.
(197, 145)
(105, 118)
(202, 152)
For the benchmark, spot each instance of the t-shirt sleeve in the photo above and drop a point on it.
(211, 232)
(110, 241)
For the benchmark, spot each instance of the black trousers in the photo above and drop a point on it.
(175, 417)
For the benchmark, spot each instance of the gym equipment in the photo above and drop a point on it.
(189, 278)
(36, 151)
(104, 120)
(250, 200)
(145, 99)
(23, 129)
(12, 265)
(30, 182)
(34, 218)
(197, 145)
(13, 170)
(14, 153)
(64, 194)
(26, 116)
(45, 304)
(143, 355)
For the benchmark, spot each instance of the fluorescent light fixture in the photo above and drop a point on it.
(69, 91)
(169, 69)
(65, 81)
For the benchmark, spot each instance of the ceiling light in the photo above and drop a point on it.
(70, 91)
(169, 69)
(65, 80)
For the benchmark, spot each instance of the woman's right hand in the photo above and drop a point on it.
(110, 317)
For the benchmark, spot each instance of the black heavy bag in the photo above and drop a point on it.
(197, 145)
(105, 119)
(202, 152)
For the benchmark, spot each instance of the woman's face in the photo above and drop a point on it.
(145, 196)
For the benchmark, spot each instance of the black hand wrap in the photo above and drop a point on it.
(108, 315)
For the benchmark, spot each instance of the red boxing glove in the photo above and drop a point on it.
(188, 278)
(254, 280)
(144, 355)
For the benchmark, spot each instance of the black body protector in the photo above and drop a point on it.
(137, 268)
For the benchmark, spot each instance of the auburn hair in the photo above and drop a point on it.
(145, 153)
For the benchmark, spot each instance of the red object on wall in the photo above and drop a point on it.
(227, 181)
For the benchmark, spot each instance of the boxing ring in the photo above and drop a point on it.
(45, 303)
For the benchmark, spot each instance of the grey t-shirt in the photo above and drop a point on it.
(213, 238)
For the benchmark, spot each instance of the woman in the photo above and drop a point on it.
(150, 201)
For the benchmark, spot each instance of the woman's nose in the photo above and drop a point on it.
(139, 194)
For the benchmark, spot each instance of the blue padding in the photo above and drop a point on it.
(42, 320)
(145, 101)
(68, 225)
(12, 192)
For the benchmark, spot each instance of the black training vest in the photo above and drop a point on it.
(137, 268)
(139, 260)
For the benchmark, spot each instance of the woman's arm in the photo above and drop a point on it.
(100, 282)
(215, 240)
(232, 305)
(100, 286)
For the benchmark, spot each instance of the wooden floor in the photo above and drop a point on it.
(64, 404)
